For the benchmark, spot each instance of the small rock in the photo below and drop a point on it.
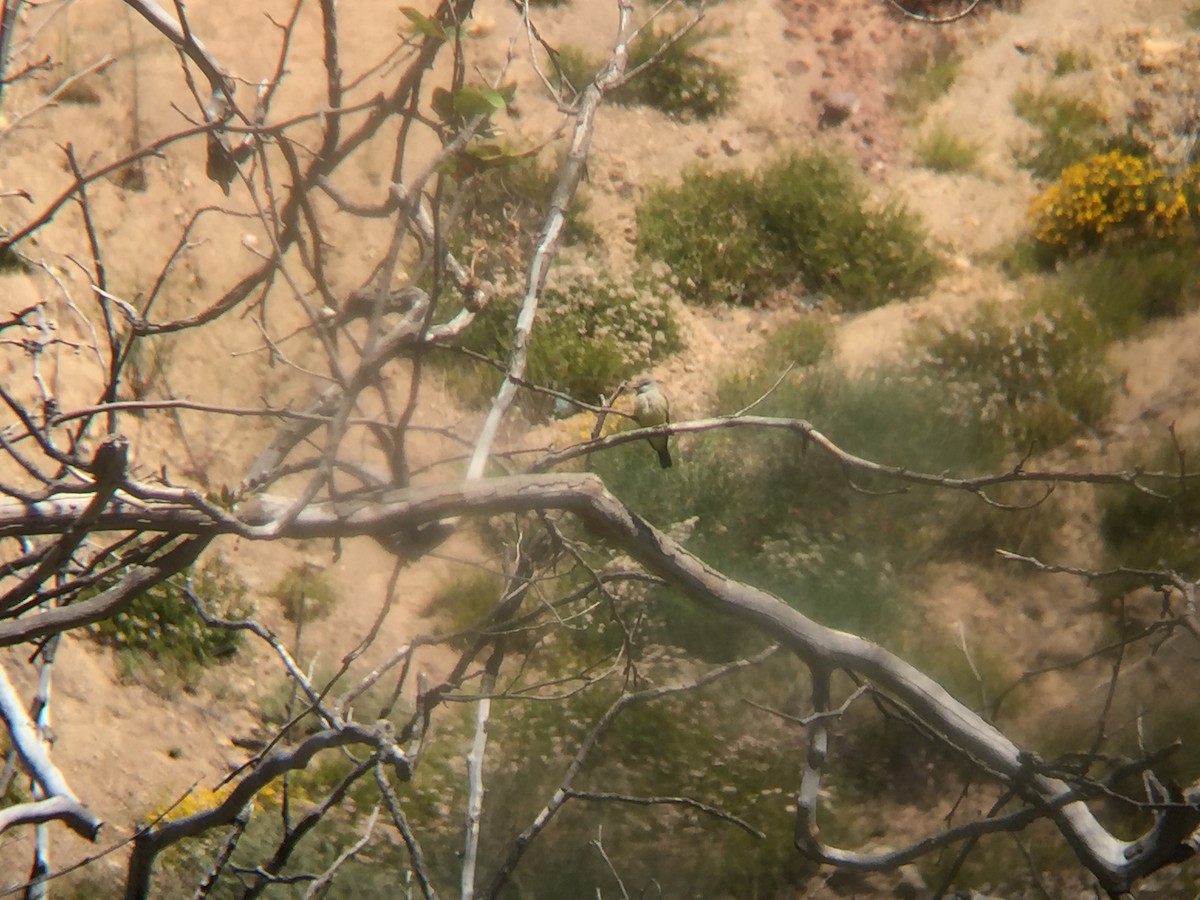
(1156, 53)
(731, 146)
(1025, 47)
(841, 34)
(1143, 109)
(797, 67)
(837, 107)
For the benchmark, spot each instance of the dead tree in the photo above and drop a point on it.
(87, 529)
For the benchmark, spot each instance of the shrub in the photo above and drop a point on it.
(305, 591)
(501, 216)
(1070, 60)
(1036, 376)
(594, 330)
(161, 623)
(707, 231)
(942, 150)
(1111, 197)
(773, 511)
(1144, 531)
(681, 83)
(1129, 285)
(466, 599)
(819, 219)
(1070, 130)
(729, 236)
(802, 342)
(925, 75)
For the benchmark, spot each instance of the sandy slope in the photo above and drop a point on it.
(119, 742)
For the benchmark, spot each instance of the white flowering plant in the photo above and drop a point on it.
(595, 329)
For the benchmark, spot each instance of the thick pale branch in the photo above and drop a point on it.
(61, 803)
(586, 496)
(570, 174)
(64, 809)
(185, 41)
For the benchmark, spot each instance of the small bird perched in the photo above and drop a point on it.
(650, 407)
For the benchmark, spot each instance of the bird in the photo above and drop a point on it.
(650, 408)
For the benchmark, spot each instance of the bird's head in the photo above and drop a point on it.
(643, 383)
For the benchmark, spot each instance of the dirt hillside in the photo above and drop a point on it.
(129, 748)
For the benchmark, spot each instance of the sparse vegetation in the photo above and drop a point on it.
(465, 601)
(596, 329)
(1036, 375)
(682, 82)
(803, 220)
(611, 611)
(1069, 131)
(304, 591)
(1068, 60)
(161, 624)
(801, 342)
(943, 150)
(501, 213)
(925, 75)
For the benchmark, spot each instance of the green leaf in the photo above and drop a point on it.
(472, 101)
(443, 104)
(422, 24)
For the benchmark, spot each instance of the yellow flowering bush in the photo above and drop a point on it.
(1111, 196)
(200, 799)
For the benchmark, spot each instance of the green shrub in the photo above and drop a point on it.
(820, 220)
(162, 625)
(707, 231)
(776, 512)
(305, 591)
(1192, 18)
(465, 600)
(697, 745)
(681, 83)
(801, 342)
(1130, 285)
(1070, 60)
(594, 330)
(1143, 531)
(1069, 131)
(1035, 375)
(575, 66)
(805, 218)
(925, 75)
(943, 150)
(502, 210)
(10, 259)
